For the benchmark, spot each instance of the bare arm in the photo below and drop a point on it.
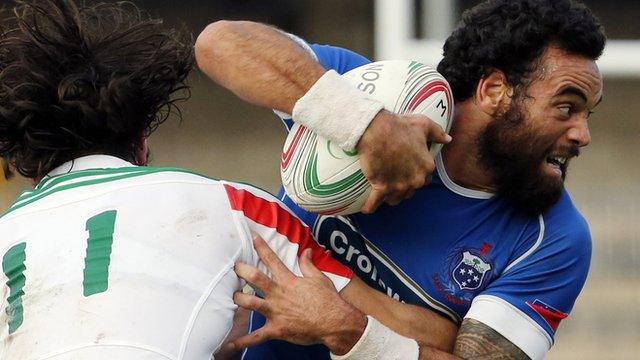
(478, 341)
(258, 63)
(411, 321)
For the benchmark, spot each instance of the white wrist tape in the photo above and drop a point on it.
(336, 110)
(380, 342)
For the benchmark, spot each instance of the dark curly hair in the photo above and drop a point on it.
(84, 80)
(510, 35)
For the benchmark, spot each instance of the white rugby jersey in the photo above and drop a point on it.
(105, 260)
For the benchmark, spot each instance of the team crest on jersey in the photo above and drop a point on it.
(470, 271)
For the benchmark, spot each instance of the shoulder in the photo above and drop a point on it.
(176, 174)
(566, 227)
(245, 198)
(332, 57)
(562, 251)
(84, 184)
(562, 246)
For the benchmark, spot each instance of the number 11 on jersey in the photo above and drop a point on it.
(96, 265)
(98, 258)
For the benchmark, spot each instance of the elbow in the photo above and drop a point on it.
(209, 40)
(215, 43)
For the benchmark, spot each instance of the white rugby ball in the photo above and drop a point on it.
(321, 177)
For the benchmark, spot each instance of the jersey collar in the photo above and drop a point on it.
(90, 162)
(458, 189)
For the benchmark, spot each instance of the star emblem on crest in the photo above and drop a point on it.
(470, 271)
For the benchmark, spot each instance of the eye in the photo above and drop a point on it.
(567, 109)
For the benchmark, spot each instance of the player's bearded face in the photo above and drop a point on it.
(519, 156)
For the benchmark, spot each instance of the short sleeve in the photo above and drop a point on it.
(339, 59)
(526, 303)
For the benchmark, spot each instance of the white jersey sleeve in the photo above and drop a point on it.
(258, 213)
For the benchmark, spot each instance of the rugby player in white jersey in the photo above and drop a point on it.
(109, 259)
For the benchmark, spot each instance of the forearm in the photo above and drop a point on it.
(475, 341)
(411, 321)
(378, 342)
(345, 333)
(434, 336)
(259, 63)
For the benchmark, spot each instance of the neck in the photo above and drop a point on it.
(460, 157)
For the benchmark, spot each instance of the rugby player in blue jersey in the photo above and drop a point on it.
(493, 242)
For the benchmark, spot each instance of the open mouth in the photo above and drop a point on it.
(556, 165)
(558, 161)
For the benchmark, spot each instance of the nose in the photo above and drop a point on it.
(579, 133)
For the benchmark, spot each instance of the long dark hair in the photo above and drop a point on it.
(82, 80)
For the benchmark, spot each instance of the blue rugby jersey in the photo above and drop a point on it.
(459, 252)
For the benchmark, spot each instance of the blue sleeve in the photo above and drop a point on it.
(545, 283)
(338, 59)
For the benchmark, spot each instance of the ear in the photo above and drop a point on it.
(142, 153)
(493, 90)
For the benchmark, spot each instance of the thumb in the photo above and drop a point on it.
(306, 265)
(437, 134)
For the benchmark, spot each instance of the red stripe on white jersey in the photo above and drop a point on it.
(273, 215)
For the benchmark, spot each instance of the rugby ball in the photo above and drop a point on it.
(321, 177)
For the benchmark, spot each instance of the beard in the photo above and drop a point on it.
(515, 153)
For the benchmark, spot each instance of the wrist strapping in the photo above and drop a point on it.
(380, 342)
(336, 110)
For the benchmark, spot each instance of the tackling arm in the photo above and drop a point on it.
(296, 311)
(281, 238)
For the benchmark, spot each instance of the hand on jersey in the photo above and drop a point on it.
(302, 310)
(395, 158)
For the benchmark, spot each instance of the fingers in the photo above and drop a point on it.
(253, 276)
(395, 175)
(395, 198)
(306, 265)
(270, 259)
(428, 179)
(376, 197)
(251, 302)
(254, 338)
(409, 194)
(437, 134)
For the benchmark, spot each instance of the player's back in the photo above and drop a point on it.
(119, 263)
